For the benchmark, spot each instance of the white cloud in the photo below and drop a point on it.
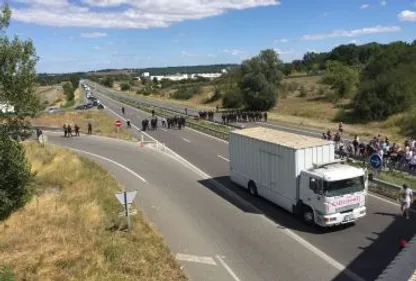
(352, 33)
(364, 6)
(383, 3)
(126, 13)
(407, 16)
(97, 48)
(93, 35)
(187, 54)
(282, 53)
(283, 40)
(234, 52)
(355, 41)
(211, 56)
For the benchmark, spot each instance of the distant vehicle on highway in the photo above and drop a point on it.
(80, 107)
(53, 110)
(299, 174)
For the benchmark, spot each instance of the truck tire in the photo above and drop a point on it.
(252, 189)
(307, 215)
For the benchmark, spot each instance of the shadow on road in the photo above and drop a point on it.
(369, 264)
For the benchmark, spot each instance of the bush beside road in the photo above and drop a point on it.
(71, 228)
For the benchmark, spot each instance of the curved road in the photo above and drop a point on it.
(365, 248)
(214, 239)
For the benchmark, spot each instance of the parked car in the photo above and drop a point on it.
(80, 107)
(100, 106)
(53, 110)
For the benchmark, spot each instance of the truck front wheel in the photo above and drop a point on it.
(308, 215)
(252, 188)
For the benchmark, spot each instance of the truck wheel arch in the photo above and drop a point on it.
(252, 188)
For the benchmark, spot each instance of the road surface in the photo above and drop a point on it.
(213, 238)
(365, 248)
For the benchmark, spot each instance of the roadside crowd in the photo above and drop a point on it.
(395, 156)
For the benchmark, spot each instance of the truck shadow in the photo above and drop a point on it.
(376, 249)
(258, 205)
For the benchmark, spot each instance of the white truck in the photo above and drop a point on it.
(299, 174)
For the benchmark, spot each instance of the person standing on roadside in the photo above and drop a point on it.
(122, 110)
(406, 200)
(89, 128)
(76, 130)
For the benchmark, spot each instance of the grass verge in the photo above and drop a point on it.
(102, 124)
(71, 229)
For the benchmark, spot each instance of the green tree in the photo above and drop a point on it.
(17, 89)
(15, 176)
(343, 79)
(155, 81)
(387, 83)
(108, 82)
(125, 86)
(260, 80)
(68, 91)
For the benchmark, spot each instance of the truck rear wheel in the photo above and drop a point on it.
(307, 214)
(252, 188)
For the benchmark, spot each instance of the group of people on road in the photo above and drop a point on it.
(68, 130)
(243, 116)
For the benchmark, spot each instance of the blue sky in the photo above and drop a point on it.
(86, 35)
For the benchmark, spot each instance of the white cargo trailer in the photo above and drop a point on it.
(299, 174)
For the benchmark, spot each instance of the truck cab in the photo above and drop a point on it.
(332, 194)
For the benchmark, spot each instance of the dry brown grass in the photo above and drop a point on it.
(51, 96)
(102, 125)
(63, 232)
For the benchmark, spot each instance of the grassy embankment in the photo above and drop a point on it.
(102, 124)
(71, 229)
(51, 96)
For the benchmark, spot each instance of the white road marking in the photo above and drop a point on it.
(196, 259)
(230, 271)
(223, 158)
(109, 160)
(164, 130)
(185, 139)
(202, 133)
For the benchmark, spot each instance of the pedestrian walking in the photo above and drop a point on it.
(89, 128)
(76, 130)
(122, 110)
(65, 130)
(128, 124)
(406, 200)
(69, 129)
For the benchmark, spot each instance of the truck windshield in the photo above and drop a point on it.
(342, 187)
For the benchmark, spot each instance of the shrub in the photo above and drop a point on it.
(125, 86)
(218, 93)
(232, 99)
(303, 92)
(14, 178)
(6, 274)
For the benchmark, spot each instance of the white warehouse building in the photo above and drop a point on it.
(178, 77)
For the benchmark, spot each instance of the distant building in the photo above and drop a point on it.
(179, 76)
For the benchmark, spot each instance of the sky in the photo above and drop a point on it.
(85, 35)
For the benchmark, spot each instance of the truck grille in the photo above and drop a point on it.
(347, 208)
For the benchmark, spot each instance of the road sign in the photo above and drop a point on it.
(375, 161)
(126, 199)
(118, 123)
(130, 197)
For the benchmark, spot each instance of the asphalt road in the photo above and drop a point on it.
(213, 238)
(365, 248)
